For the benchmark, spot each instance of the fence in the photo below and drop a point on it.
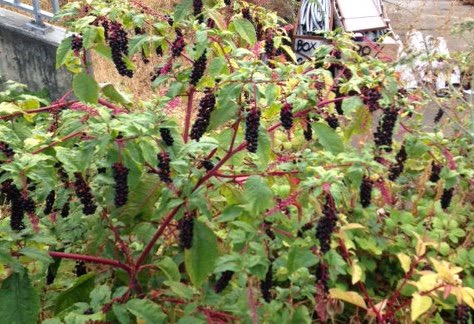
(34, 9)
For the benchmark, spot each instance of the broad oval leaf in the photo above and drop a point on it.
(246, 30)
(328, 138)
(147, 310)
(348, 296)
(85, 88)
(419, 305)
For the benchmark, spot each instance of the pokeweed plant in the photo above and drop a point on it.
(250, 189)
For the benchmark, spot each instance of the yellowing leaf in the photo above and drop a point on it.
(427, 282)
(419, 305)
(467, 296)
(356, 271)
(352, 226)
(405, 261)
(348, 296)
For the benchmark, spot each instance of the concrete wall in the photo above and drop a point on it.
(28, 55)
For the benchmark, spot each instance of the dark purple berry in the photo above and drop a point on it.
(332, 121)
(208, 165)
(17, 210)
(383, 135)
(50, 199)
(118, 41)
(252, 124)
(269, 45)
(76, 43)
(83, 192)
(223, 281)
(435, 171)
(186, 229)
(286, 116)
(80, 268)
(308, 132)
(439, 115)
(199, 67)
(169, 20)
(326, 224)
(227, 2)
(6, 150)
(159, 51)
(366, 192)
(446, 198)
(166, 136)
(267, 284)
(164, 167)
(247, 15)
(197, 7)
(370, 98)
(120, 174)
(206, 106)
(397, 168)
(65, 210)
(322, 277)
(178, 43)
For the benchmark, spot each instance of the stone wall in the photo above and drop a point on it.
(28, 55)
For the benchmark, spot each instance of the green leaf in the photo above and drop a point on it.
(180, 289)
(217, 67)
(113, 94)
(145, 309)
(419, 305)
(19, 300)
(85, 88)
(246, 30)
(63, 51)
(71, 159)
(258, 195)
(328, 138)
(299, 257)
(169, 268)
(361, 123)
(351, 104)
(88, 36)
(200, 259)
(121, 313)
(77, 293)
(182, 9)
(36, 254)
(136, 43)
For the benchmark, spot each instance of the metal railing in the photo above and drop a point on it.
(34, 9)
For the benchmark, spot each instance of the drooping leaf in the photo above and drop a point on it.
(146, 310)
(19, 300)
(62, 52)
(348, 296)
(405, 261)
(79, 292)
(182, 9)
(299, 257)
(85, 88)
(200, 259)
(328, 138)
(258, 195)
(419, 305)
(246, 30)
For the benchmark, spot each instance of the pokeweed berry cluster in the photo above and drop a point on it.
(207, 164)
(206, 106)
(164, 167)
(286, 116)
(338, 103)
(438, 116)
(435, 172)
(268, 230)
(178, 44)
(63, 176)
(76, 43)
(306, 227)
(199, 67)
(83, 192)
(166, 136)
(252, 123)
(269, 45)
(370, 98)
(120, 174)
(308, 132)
(50, 199)
(446, 197)
(267, 284)
(80, 268)
(247, 15)
(118, 42)
(66, 209)
(397, 168)
(322, 277)
(186, 230)
(197, 8)
(332, 121)
(227, 2)
(6, 150)
(17, 209)
(366, 192)
(462, 314)
(383, 135)
(326, 224)
(223, 281)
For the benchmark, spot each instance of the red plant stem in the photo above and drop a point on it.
(39, 110)
(122, 246)
(251, 301)
(156, 236)
(272, 174)
(189, 111)
(116, 110)
(217, 41)
(92, 259)
(68, 137)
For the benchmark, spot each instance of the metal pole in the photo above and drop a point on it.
(36, 12)
(55, 5)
